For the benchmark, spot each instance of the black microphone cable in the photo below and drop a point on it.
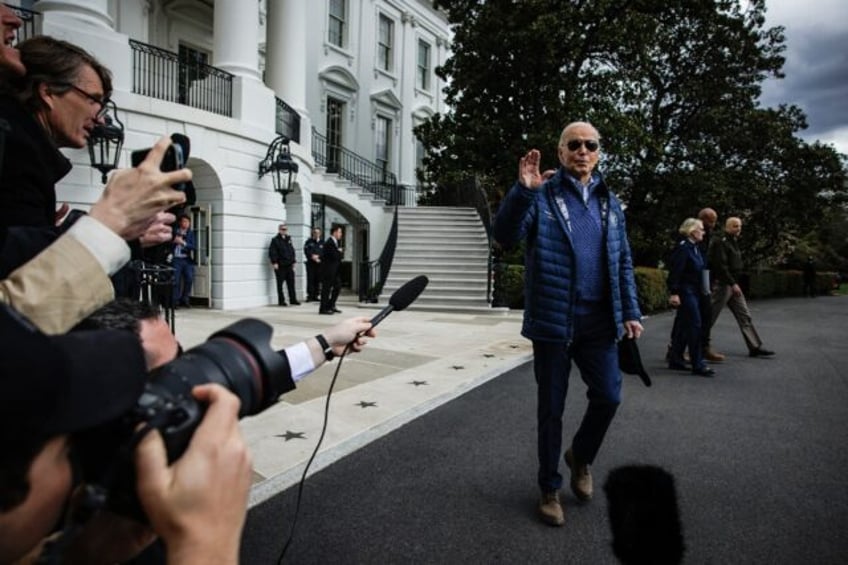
(314, 454)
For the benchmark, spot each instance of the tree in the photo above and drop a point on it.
(671, 85)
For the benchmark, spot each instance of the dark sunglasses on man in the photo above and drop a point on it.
(590, 144)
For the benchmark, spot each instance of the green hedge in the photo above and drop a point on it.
(653, 296)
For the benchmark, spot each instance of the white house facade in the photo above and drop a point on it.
(345, 80)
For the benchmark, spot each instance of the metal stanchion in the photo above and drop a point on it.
(157, 287)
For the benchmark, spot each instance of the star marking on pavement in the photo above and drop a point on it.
(363, 404)
(418, 383)
(488, 355)
(457, 367)
(291, 435)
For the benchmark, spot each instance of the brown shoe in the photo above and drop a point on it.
(581, 479)
(550, 510)
(713, 356)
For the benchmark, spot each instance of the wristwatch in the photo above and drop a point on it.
(328, 351)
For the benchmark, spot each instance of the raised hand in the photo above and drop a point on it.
(528, 170)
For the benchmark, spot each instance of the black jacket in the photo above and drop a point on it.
(331, 257)
(32, 165)
(281, 251)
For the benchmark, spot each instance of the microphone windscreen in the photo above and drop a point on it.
(406, 295)
(183, 142)
(643, 515)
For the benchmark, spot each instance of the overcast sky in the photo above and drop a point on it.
(816, 66)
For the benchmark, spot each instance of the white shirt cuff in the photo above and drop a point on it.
(110, 250)
(300, 360)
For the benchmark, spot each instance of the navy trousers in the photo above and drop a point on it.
(595, 353)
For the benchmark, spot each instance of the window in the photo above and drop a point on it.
(192, 67)
(382, 138)
(335, 111)
(385, 41)
(336, 33)
(422, 80)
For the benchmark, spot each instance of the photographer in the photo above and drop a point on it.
(69, 279)
(51, 388)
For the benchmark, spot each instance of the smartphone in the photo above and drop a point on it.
(172, 161)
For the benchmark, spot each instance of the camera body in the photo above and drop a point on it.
(173, 160)
(238, 357)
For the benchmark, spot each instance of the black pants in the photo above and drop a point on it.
(313, 276)
(331, 285)
(285, 273)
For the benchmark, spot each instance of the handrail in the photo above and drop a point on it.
(162, 74)
(373, 274)
(369, 176)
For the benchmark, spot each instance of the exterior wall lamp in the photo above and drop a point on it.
(105, 141)
(278, 161)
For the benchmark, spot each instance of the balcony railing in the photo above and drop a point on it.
(161, 74)
(360, 171)
(288, 121)
(30, 19)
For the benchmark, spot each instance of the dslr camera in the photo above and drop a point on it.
(238, 357)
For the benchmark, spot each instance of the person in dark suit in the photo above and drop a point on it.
(282, 256)
(312, 251)
(331, 284)
(687, 288)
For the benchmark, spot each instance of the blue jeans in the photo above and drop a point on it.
(594, 351)
(183, 279)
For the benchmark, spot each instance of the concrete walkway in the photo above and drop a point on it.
(419, 361)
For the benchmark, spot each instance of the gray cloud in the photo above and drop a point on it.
(816, 67)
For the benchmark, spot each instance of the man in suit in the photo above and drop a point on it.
(331, 284)
(282, 256)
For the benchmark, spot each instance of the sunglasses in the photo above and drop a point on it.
(590, 144)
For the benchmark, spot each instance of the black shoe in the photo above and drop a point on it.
(282, 304)
(678, 367)
(703, 372)
(760, 352)
(295, 303)
(328, 312)
(336, 311)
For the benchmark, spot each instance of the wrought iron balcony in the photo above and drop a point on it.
(162, 74)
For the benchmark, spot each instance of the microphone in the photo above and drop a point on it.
(402, 297)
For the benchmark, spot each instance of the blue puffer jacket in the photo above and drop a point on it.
(549, 294)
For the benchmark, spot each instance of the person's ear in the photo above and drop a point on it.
(45, 93)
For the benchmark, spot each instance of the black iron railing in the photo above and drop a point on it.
(288, 121)
(358, 170)
(162, 74)
(373, 274)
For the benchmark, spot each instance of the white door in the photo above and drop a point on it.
(201, 220)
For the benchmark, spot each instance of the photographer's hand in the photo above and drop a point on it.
(159, 231)
(134, 196)
(198, 504)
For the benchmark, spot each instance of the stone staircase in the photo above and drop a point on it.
(449, 245)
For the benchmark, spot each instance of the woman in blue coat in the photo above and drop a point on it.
(686, 284)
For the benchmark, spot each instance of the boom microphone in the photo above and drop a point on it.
(402, 297)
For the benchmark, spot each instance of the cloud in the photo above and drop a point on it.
(816, 67)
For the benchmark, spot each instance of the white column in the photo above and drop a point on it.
(92, 12)
(236, 29)
(285, 59)
(236, 51)
(87, 23)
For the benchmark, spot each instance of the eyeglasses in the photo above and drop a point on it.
(284, 229)
(96, 100)
(590, 144)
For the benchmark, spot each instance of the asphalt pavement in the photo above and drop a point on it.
(758, 454)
